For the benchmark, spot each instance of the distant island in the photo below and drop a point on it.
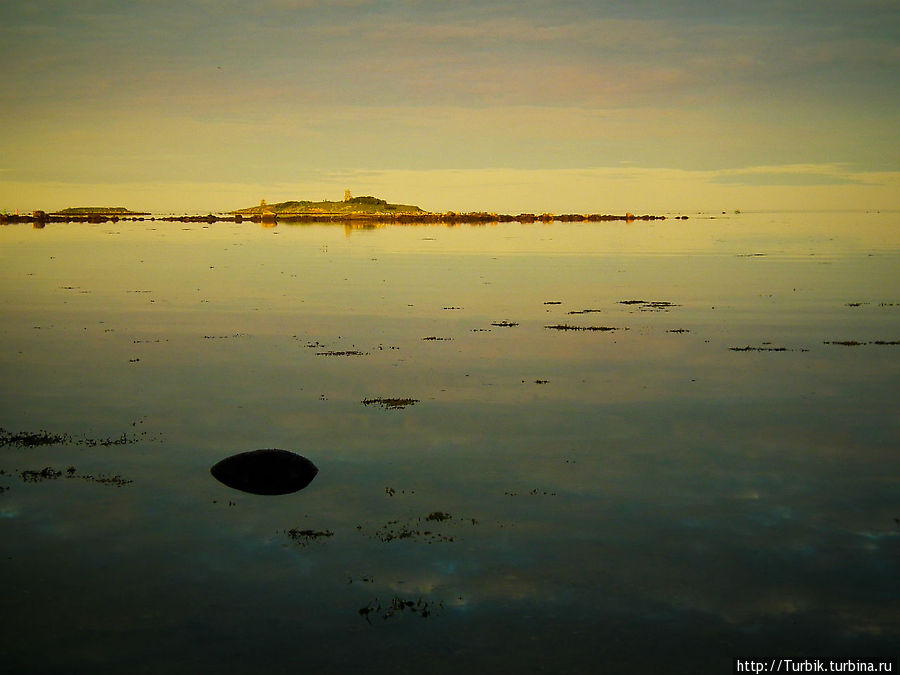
(379, 210)
(353, 211)
(98, 211)
(351, 206)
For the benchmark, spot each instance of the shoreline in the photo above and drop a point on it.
(40, 218)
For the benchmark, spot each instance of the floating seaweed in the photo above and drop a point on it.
(114, 481)
(50, 473)
(47, 473)
(306, 537)
(765, 348)
(566, 326)
(390, 492)
(390, 403)
(854, 343)
(536, 492)
(398, 605)
(394, 530)
(650, 305)
(34, 439)
(124, 439)
(748, 348)
(418, 529)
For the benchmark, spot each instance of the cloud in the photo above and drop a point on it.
(791, 175)
(419, 53)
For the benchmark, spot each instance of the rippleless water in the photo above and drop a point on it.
(715, 477)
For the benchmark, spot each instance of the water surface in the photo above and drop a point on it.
(716, 477)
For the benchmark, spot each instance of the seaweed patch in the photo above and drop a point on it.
(49, 473)
(390, 403)
(748, 348)
(854, 343)
(390, 492)
(438, 516)
(566, 326)
(35, 439)
(536, 492)
(650, 305)
(398, 605)
(306, 537)
(422, 528)
(394, 530)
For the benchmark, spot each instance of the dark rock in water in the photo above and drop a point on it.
(265, 472)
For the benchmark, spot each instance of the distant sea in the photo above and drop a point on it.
(645, 447)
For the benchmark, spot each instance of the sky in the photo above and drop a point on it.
(648, 106)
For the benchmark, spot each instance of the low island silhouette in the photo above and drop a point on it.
(350, 209)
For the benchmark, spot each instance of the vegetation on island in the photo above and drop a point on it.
(349, 206)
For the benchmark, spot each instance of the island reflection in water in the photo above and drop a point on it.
(541, 448)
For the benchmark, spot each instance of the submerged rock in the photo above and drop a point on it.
(265, 472)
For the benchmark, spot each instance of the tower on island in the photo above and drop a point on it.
(347, 196)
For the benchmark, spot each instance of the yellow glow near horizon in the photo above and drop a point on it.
(590, 190)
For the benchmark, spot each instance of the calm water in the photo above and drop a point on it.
(645, 499)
